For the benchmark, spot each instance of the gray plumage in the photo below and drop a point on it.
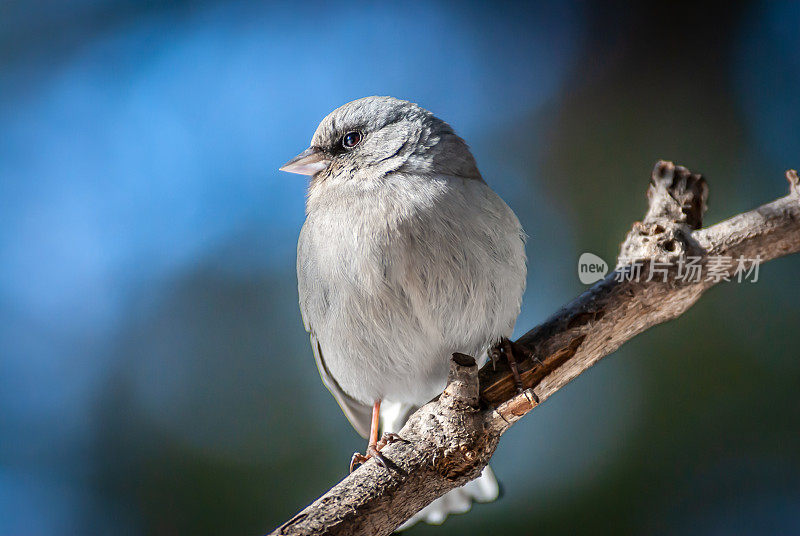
(406, 256)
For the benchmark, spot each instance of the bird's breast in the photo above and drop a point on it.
(395, 281)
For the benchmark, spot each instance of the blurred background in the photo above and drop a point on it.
(155, 377)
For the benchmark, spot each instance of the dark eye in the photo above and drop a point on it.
(351, 139)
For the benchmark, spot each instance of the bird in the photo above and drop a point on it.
(406, 256)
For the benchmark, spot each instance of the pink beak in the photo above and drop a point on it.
(309, 162)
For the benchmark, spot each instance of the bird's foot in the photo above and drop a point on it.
(513, 352)
(374, 451)
(359, 458)
(388, 438)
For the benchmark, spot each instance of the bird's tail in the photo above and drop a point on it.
(483, 489)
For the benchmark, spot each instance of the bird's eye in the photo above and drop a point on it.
(351, 139)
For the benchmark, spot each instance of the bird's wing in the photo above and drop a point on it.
(359, 415)
(313, 307)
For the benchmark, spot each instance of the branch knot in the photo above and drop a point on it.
(677, 201)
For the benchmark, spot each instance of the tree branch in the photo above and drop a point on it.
(450, 439)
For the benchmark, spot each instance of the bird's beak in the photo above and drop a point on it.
(309, 162)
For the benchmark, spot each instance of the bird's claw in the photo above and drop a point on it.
(388, 438)
(494, 354)
(374, 451)
(357, 460)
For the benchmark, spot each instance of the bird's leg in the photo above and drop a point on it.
(374, 447)
(512, 350)
(512, 363)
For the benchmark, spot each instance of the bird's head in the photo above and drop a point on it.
(371, 137)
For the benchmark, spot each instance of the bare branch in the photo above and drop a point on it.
(451, 438)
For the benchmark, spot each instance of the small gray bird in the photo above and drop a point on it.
(405, 257)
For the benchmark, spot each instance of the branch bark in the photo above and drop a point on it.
(450, 439)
